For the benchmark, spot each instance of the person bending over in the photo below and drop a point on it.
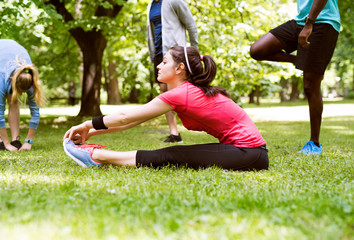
(200, 106)
(17, 75)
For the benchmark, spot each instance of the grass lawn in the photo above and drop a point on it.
(46, 195)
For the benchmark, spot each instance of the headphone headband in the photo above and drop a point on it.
(186, 56)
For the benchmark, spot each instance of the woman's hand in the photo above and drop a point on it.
(10, 148)
(79, 133)
(77, 139)
(25, 147)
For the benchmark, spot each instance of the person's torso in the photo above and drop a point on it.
(10, 53)
(219, 116)
(155, 18)
(329, 14)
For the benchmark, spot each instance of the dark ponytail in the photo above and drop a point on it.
(197, 74)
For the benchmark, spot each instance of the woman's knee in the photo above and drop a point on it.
(262, 162)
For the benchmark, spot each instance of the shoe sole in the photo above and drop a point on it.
(311, 153)
(73, 157)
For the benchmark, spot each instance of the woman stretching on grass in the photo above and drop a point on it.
(17, 76)
(200, 107)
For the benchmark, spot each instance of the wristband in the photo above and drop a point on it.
(28, 141)
(98, 124)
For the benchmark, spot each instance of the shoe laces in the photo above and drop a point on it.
(89, 147)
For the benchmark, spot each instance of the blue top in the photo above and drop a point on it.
(155, 18)
(10, 51)
(329, 14)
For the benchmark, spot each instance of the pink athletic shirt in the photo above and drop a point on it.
(219, 116)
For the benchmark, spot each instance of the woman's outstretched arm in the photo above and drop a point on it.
(121, 120)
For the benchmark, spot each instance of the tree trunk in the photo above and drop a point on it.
(92, 45)
(251, 96)
(72, 94)
(133, 95)
(255, 93)
(294, 95)
(258, 94)
(113, 96)
(284, 89)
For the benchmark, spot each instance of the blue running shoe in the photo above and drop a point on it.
(81, 154)
(311, 148)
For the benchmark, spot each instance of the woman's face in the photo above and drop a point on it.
(167, 69)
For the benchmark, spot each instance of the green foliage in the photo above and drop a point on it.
(49, 44)
(45, 195)
(23, 22)
(17, 19)
(127, 45)
(343, 55)
(226, 31)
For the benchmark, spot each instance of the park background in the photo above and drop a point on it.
(102, 45)
(45, 195)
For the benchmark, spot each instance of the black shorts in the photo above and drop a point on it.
(157, 61)
(313, 58)
(225, 156)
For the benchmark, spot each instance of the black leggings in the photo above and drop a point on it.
(226, 156)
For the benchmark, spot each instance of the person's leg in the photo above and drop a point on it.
(14, 119)
(171, 115)
(195, 156)
(313, 61)
(90, 155)
(115, 158)
(270, 48)
(205, 155)
(312, 89)
(14, 122)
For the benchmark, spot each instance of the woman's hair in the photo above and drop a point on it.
(197, 74)
(22, 79)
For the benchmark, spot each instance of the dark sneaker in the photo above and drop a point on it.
(17, 144)
(81, 154)
(174, 139)
(2, 146)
